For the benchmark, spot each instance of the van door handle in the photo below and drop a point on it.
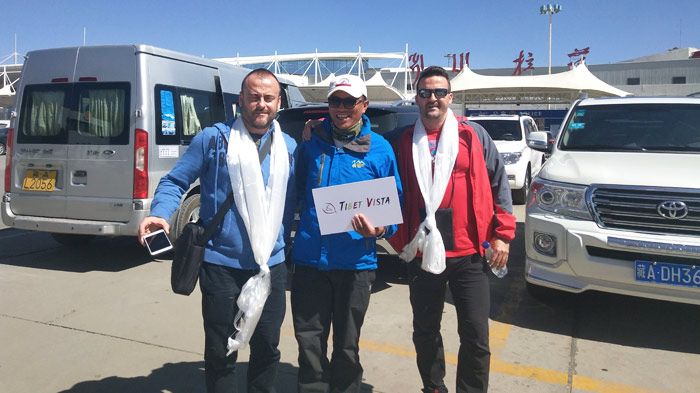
(109, 152)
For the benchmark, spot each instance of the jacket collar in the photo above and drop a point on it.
(360, 144)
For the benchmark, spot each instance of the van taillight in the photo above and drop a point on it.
(8, 160)
(140, 164)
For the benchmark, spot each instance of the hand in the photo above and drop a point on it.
(152, 224)
(308, 127)
(364, 228)
(501, 249)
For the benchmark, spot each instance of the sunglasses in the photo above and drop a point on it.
(439, 93)
(348, 103)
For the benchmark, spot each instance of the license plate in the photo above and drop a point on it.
(39, 180)
(667, 273)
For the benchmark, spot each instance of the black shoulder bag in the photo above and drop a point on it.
(190, 245)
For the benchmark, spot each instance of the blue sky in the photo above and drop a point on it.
(494, 32)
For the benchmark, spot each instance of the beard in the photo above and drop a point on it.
(257, 121)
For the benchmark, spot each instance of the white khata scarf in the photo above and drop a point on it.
(261, 209)
(432, 185)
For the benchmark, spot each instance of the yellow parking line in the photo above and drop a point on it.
(498, 334)
(596, 385)
(536, 373)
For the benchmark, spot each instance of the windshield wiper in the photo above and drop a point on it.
(603, 148)
(672, 148)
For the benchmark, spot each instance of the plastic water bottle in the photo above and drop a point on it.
(500, 273)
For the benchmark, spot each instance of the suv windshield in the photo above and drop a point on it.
(633, 127)
(501, 130)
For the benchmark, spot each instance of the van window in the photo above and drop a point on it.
(100, 114)
(233, 110)
(183, 113)
(75, 113)
(43, 112)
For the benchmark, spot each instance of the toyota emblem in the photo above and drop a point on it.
(674, 210)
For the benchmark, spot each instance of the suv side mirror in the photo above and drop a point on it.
(539, 140)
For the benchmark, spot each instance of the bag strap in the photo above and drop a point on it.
(209, 231)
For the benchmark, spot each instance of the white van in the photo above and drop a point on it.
(95, 129)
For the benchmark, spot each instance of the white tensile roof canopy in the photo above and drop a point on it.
(377, 88)
(563, 87)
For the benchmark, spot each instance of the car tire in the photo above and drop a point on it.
(72, 240)
(3, 149)
(520, 196)
(189, 212)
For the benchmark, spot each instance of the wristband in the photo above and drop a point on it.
(381, 235)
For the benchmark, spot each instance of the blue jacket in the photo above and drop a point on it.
(320, 164)
(205, 159)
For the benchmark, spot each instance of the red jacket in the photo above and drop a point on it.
(478, 192)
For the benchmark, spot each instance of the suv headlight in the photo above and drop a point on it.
(560, 198)
(511, 158)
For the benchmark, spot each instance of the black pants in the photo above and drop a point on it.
(469, 286)
(221, 287)
(319, 298)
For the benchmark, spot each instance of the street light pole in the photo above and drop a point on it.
(550, 9)
(447, 56)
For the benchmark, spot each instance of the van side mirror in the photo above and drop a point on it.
(540, 140)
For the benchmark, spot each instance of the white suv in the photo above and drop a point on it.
(510, 133)
(616, 208)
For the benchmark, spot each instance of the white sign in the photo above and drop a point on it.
(168, 151)
(376, 199)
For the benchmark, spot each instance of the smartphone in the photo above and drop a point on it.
(157, 242)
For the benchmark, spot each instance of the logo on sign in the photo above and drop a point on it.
(674, 210)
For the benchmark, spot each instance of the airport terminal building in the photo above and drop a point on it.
(389, 77)
(672, 73)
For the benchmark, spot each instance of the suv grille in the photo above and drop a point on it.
(636, 209)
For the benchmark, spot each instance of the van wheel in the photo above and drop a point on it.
(189, 212)
(71, 240)
(2, 149)
(520, 196)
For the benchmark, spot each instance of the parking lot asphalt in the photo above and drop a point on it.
(102, 318)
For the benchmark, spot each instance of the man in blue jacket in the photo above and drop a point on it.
(334, 273)
(231, 257)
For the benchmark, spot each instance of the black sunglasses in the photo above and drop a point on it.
(439, 93)
(348, 103)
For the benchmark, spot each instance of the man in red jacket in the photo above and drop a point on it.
(457, 197)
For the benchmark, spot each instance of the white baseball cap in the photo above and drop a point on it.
(351, 84)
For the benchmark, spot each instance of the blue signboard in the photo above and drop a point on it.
(552, 117)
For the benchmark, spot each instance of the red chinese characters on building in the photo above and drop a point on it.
(463, 60)
(577, 53)
(520, 60)
(416, 64)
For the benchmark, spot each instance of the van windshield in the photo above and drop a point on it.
(633, 127)
(75, 113)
